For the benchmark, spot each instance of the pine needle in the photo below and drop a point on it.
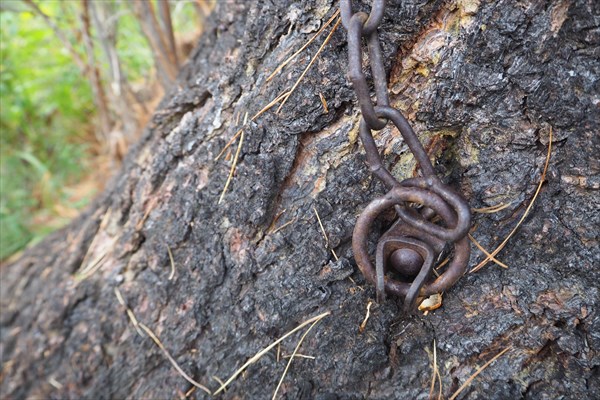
(298, 355)
(275, 220)
(137, 325)
(484, 251)
(189, 392)
(264, 351)
(542, 179)
(324, 103)
(439, 377)
(270, 105)
(283, 226)
(172, 360)
(492, 209)
(216, 378)
(434, 370)
(362, 326)
(479, 370)
(446, 261)
(232, 170)
(129, 312)
(292, 357)
(233, 139)
(322, 227)
(312, 61)
(55, 383)
(120, 298)
(325, 234)
(103, 247)
(134, 321)
(92, 267)
(172, 274)
(290, 58)
(258, 114)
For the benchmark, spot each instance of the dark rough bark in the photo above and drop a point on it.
(482, 83)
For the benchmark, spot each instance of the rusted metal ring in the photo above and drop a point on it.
(398, 196)
(373, 20)
(458, 224)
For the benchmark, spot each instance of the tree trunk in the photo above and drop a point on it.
(482, 84)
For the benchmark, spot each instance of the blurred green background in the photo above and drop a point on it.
(53, 159)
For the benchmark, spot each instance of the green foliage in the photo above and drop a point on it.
(44, 111)
(47, 110)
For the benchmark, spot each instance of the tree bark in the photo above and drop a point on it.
(483, 85)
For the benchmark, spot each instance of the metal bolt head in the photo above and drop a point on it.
(406, 261)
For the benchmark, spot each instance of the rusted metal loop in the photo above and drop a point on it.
(458, 223)
(378, 69)
(432, 183)
(359, 81)
(373, 21)
(398, 196)
(426, 253)
(409, 136)
(417, 284)
(455, 270)
(436, 197)
(411, 139)
(373, 157)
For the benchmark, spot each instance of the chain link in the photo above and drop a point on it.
(373, 21)
(406, 254)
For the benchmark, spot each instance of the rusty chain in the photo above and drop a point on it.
(407, 253)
